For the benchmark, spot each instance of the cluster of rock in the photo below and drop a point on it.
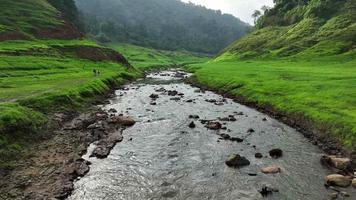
(343, 175)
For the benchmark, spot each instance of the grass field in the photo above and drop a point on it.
(144, 58)
(322, 90)
(37, 79)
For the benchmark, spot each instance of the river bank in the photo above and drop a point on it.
(50, 162)
(164, 109)
(318, 137)
(178, 150)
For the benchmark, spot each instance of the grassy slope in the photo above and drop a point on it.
(307, 69)
(145, 58)
(37, 77)
(40, 77)
(25, 15)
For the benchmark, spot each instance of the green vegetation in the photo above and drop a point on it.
(37, 79)
(300, 28)
(22, 16)
(300, 61)
(144, 58)
(161, 24)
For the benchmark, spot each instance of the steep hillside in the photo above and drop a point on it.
(299, 65)
(300, 29)
(161, 24)
(25, 19)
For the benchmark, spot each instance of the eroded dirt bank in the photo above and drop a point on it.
(50, 167)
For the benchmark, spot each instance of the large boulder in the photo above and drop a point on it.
(336, 162)
(274, 169)
(354, 183)
(236, 160)
(122, 120)
(338, 180)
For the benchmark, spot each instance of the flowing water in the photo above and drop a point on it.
(162, 158)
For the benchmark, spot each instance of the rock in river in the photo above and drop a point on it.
(274, 169)
(154, 96)
(235, 160)
(338, 180)
(354, 183)
(213, 125)
(125, 121)
(192, 125)
(276, 153)
(336, 162)
(258, 155)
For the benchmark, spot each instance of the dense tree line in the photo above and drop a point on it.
(69, 11)
(162, 24)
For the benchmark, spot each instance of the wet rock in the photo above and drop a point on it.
(213, 125)
(334, 195)
(172, 92)
(153, 103)
(192, 125)
(228, 119)
(354, 183)
(189, 101)
(336, 162)
(82, 167)
(197, 91)
(112, 110)
(225, 136)
(175, 99)
(105, 145)
(338, 180)
(194, 117)
(276, 153)
(258, 155)
(251, 130)
(160, 90)
(181, 94)
(236, 139)
(271, 170)
(154, 96)
(267, 190)
(344, 194)
(211, 100)
(236, 160)
(125, 121)
(264, 119)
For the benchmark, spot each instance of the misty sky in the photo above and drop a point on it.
(242, 9)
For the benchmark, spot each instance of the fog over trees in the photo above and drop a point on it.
(162, 24)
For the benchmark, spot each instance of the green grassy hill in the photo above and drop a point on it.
(300, 29)
(300, 62)
(46, 66)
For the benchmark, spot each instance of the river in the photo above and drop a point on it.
(162, 158)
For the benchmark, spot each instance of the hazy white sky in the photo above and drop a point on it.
(242, 9)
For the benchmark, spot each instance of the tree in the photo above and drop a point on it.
(256, 14)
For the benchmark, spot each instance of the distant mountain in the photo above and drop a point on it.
(300, 28)
(162, 24)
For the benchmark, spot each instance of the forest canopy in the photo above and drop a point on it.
(161, 24)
